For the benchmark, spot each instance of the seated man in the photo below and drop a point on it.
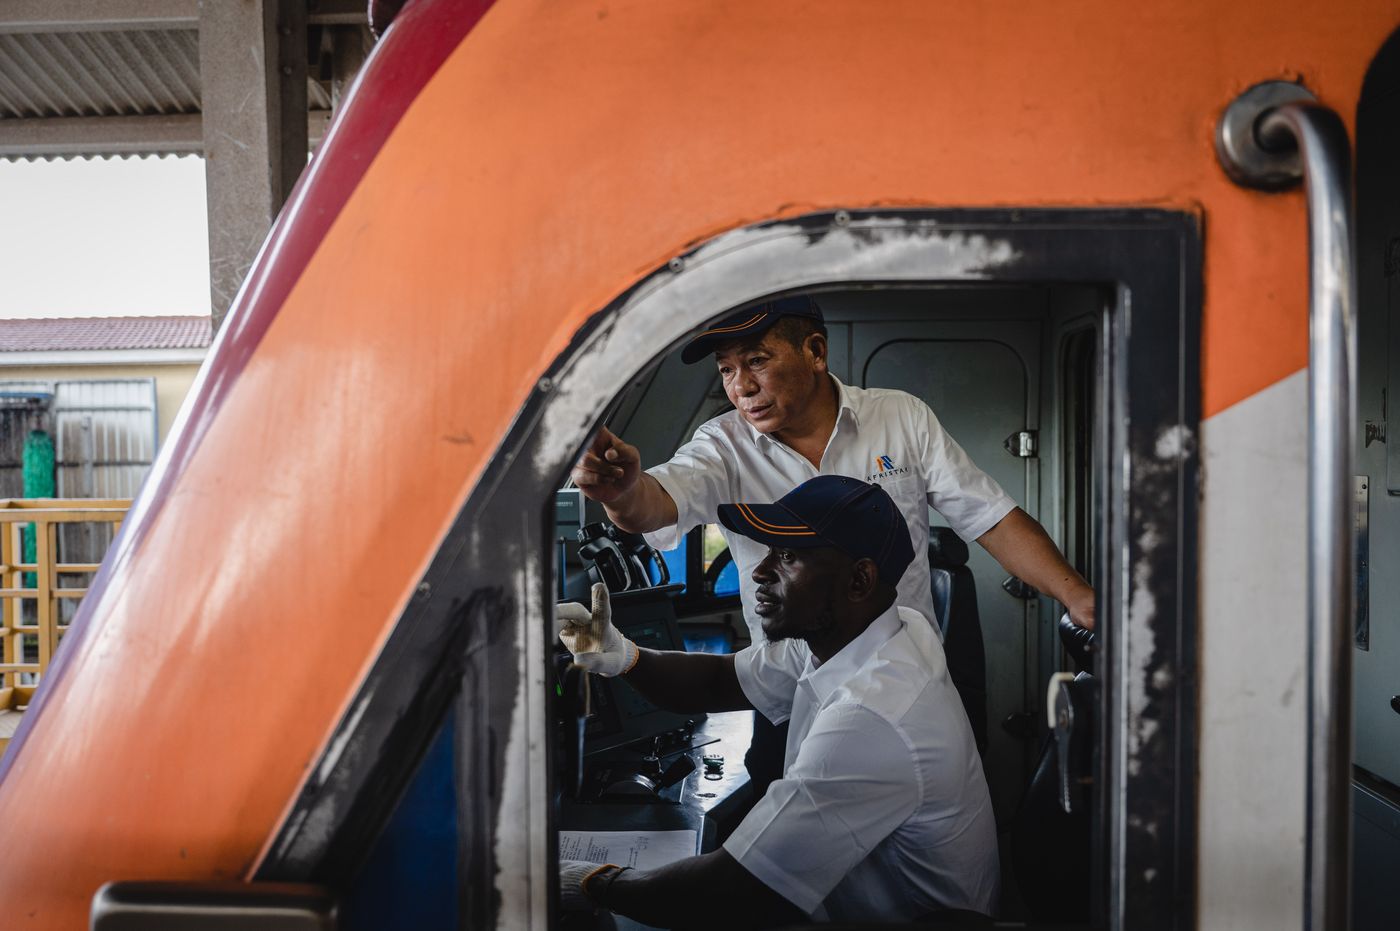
(882, 812)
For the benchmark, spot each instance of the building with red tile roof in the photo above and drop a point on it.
(104, 334)
(103, 371)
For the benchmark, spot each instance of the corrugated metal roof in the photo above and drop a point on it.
(70, 74)
(126, 73)
(97, 333)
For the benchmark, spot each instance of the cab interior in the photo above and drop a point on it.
(1013, 374)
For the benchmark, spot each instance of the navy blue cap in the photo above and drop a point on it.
(746, 323)
(857, 518)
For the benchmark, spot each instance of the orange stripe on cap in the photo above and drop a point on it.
(785, 530)
(738, 326)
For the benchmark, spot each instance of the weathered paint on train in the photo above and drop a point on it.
(504, 171)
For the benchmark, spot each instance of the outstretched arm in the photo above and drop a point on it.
(1025, 550)
(709, 891)
(610, 472)
(681, 682)
(688, 683)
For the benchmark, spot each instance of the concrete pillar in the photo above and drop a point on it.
(350, 44)
(252, 63)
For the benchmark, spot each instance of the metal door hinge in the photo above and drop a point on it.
(1023, 444)
(1376, 431)
(1019, 589)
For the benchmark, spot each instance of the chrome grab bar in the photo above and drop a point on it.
(1281, 122)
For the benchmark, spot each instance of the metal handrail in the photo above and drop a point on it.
(1321, 138)
(1269, 137)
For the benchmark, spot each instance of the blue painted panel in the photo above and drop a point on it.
(728, 581)
(410, 879)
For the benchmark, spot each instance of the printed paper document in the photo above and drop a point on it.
(641, 850)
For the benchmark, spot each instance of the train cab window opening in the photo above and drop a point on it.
(715, 550)
(898, 337)
(703, 554)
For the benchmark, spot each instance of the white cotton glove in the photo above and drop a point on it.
(597, 645)
(575, 877)
(572, 874)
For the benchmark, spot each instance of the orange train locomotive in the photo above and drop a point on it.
(522, 207)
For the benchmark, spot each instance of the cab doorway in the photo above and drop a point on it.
(991, 364)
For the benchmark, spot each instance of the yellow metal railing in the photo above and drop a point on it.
(37, 584)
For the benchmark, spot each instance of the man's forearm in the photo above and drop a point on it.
(687, 683)
(645, 508)
(709, 891)
(1025, 550)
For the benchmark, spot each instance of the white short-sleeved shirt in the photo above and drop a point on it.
(886, 437)
(882, 813)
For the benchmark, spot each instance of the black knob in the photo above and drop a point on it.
(1395, 703)
(592, 531)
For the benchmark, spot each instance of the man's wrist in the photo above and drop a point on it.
(1080, 605)
(622, 509)
(1068, 590)
(636, 510)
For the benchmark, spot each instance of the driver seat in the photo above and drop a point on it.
(955, 602)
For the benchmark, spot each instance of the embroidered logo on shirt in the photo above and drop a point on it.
(885, 469)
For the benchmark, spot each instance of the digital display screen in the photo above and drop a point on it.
(568, 514)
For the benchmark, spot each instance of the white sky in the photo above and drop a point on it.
(103, 237)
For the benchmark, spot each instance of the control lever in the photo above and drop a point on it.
(574, 702)
(1061, 712)
(639, 787)
(682, 767)
(1079, 642)
(609, 564)
(642, 557)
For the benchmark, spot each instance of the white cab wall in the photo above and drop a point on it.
(1253, 662)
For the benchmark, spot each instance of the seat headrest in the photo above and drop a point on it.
(946, 550)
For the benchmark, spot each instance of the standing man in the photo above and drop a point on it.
(882, 812)
(794, 420)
